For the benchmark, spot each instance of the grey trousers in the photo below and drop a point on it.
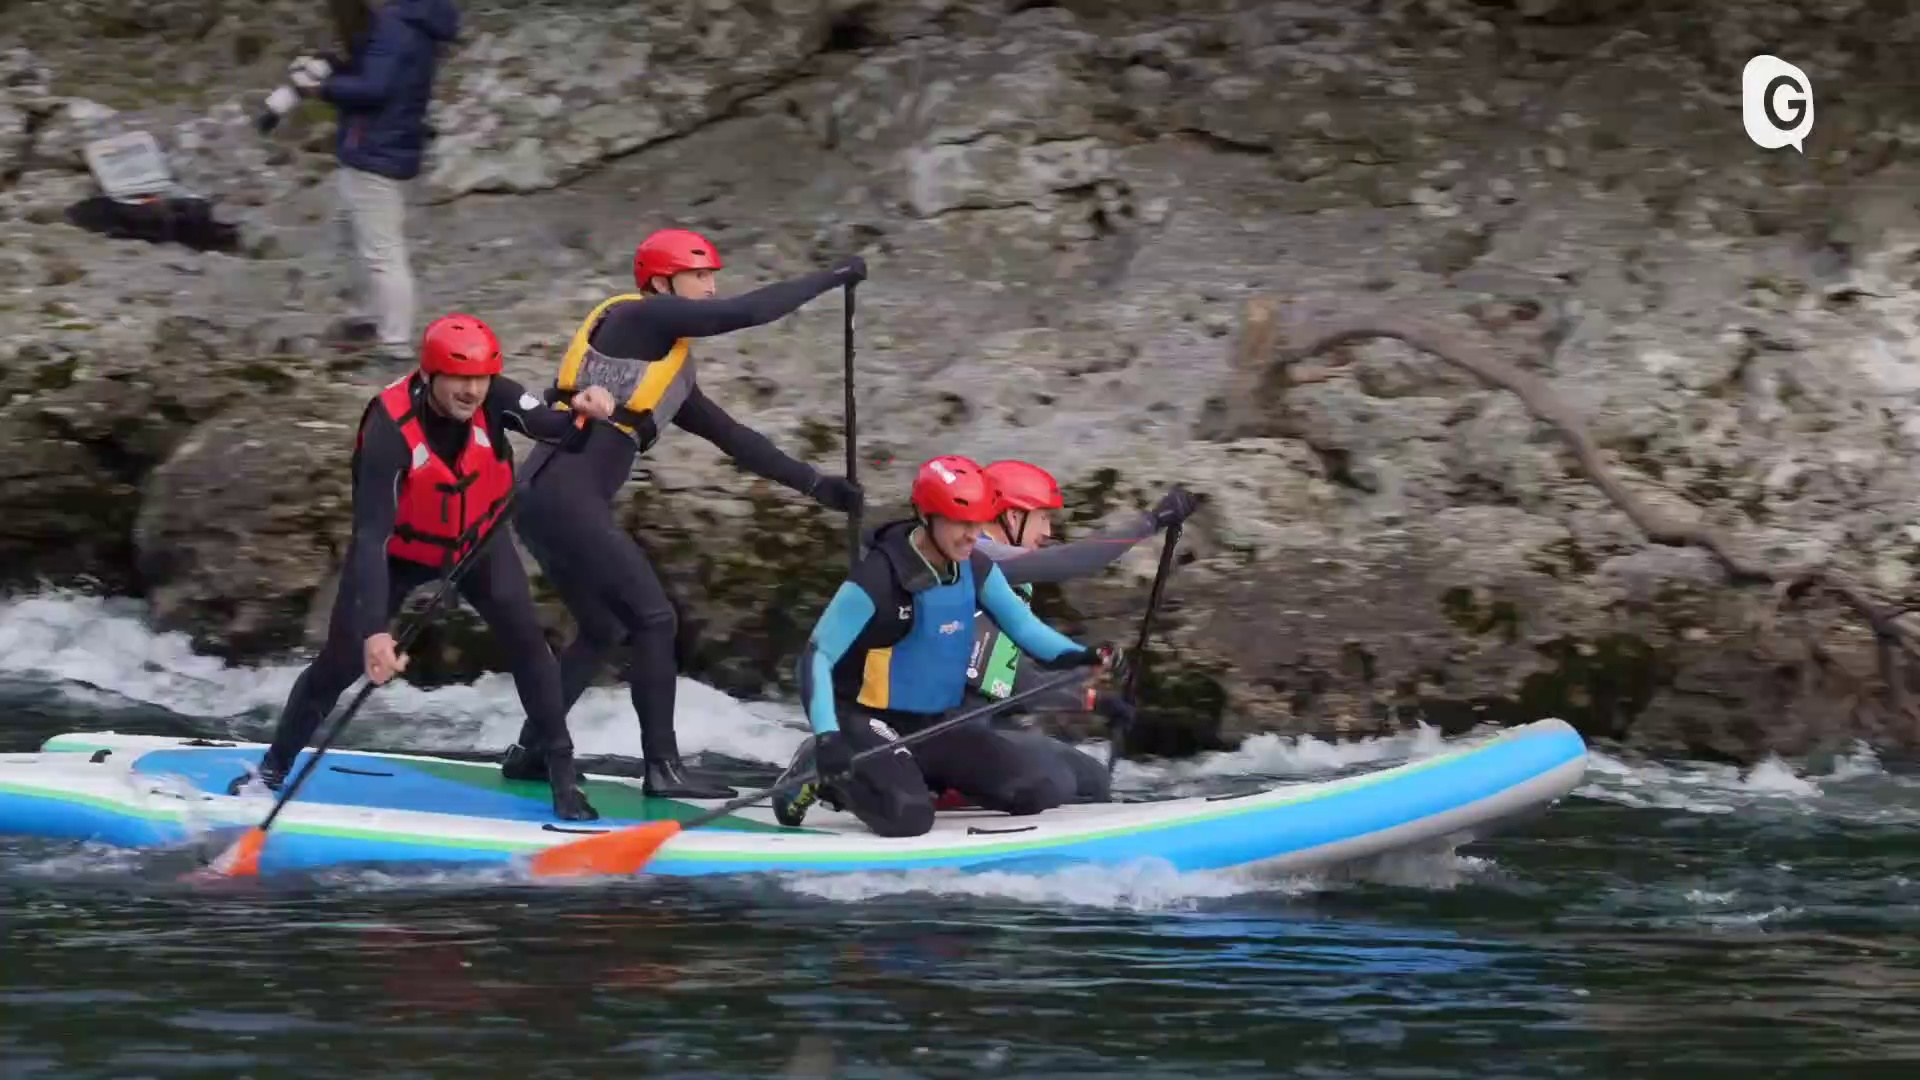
(370, 220)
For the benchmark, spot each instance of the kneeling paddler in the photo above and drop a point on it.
(1019, 541)
(889, 657)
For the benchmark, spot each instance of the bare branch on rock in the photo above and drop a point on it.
(1268, 370)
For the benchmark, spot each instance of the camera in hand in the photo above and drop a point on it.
(304, 74)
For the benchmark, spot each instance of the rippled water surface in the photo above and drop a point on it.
(1671, 919)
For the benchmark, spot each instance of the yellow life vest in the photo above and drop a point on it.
(648, 392)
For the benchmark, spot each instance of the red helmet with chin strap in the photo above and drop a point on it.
(459, 344)
(669, 251)
(1024, 486)
(956, 488)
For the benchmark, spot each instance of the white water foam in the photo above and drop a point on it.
(100, 652)
(1854, 786)
(1281, 757)
(1149, 885)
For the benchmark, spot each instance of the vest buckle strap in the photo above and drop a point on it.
(413, 535)
(460, 485)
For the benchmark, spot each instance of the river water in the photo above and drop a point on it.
(1670, 919)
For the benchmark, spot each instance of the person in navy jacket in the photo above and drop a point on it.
(381, 91)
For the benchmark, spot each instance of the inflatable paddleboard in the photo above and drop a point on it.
(147, 791)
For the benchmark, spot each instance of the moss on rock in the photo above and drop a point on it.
(1598, 685)
(1183, 705)
(1476, 612)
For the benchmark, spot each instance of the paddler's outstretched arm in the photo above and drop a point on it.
(754, 451)
(383, 462)
(650, 329)
(1065, 562)
(1017, 620)
(1085, 558)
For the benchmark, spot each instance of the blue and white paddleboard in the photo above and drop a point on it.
(148, 791)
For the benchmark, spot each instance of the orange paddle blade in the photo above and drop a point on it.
(622, 851)
(243, 858)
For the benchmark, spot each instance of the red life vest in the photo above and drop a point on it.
(443, 510)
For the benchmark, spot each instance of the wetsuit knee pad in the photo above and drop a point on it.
(1081, 775)
(891, 816)
(642, 617)
(888, 805)
(599, 636)
(659, 623)
(1034, 791)
(887, 792)
(518, 630)
(1090, 780)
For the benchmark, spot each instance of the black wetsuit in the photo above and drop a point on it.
(601, 571)
(374, 585)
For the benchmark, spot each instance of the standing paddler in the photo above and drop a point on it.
(640, 345)
(432, 471)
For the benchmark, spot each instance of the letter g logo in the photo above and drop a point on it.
(1776, 103)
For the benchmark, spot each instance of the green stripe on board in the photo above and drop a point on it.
(611, 799)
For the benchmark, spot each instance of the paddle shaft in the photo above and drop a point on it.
(853, 462)
(1132, 691)
(923, 734)
(406, 638)
(1159, 589)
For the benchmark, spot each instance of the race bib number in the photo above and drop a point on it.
(996, 676)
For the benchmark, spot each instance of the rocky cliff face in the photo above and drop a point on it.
(1067, 209)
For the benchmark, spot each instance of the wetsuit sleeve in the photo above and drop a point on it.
(373, 84)
(678, 316)
(1017, 620)
(376, 506)
(839, 627)
(1065, 562)
(527, 414)
(754, 451)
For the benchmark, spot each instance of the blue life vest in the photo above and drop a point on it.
(926, 671)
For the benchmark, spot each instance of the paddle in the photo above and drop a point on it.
(853, 464)
(243, 858)
(1116, 732)
(626, 851)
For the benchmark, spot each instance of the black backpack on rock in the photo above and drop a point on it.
(157, 219)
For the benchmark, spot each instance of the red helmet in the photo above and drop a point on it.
(955, 487)
(459, 345)
(670, 251)
(1025, 487)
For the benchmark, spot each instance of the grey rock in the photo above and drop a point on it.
(1388, 541)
